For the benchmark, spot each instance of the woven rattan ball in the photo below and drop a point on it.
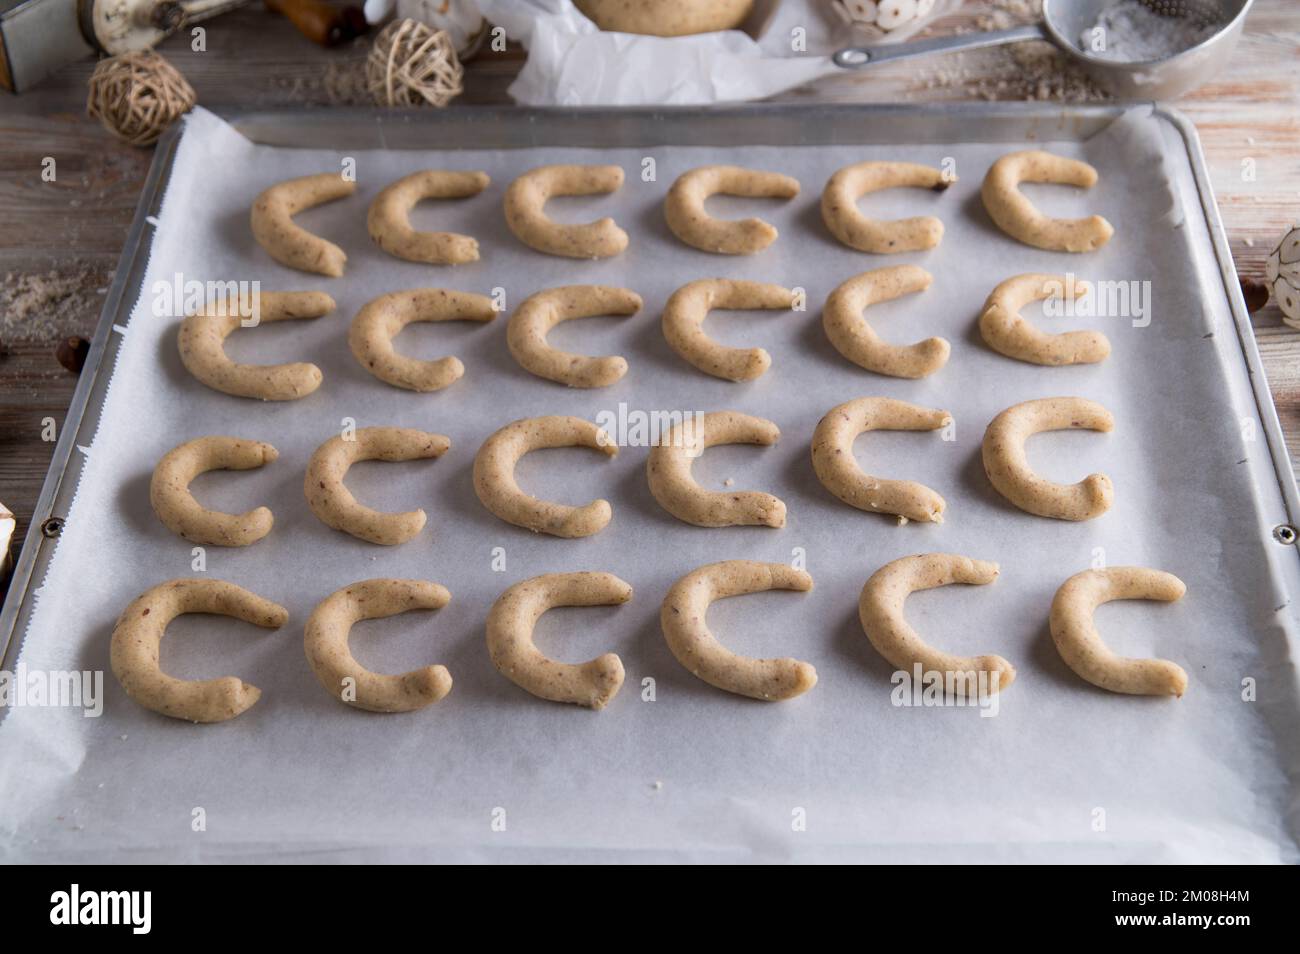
(412, 64)
(137, 95)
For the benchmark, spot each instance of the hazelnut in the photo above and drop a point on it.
(1256, 294)
(72, 352)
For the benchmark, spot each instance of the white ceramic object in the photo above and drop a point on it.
(1283, 273)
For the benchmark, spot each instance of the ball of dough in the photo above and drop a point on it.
(666, 17)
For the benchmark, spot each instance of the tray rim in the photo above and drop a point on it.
(63, 477)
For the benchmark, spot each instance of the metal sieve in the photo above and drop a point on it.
(1066, 22)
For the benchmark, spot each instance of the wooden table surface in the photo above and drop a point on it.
(61, 239)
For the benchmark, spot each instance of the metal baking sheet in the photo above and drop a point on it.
(727, 781)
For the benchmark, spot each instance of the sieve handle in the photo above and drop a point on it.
(856, 57)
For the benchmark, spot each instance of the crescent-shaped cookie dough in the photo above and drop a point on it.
(841, 214)
(527, 218)
(326, 644)
(1017, 216)
(668, 468)
(1081, 646)
(854, 338)
(1008, 468)
(288, 243)
(202, 340)
(494, 475)
(379, 321)
(389, 220)
(169, 491)
(684, 208)
(696, 648)
(1005, 330)
(539, 313)
(334, 504)
(880, 608)
(833, 460)
(133, 652)
(688, 307)
(510, 625)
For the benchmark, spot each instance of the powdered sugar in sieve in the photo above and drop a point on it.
(1134, 31)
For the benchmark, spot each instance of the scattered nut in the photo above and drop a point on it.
(1255, 292)
(72, 353)
(8, 526)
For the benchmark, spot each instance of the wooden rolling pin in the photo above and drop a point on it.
(320, 22)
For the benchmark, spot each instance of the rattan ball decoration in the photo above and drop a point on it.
(411, 64)
(138, 95)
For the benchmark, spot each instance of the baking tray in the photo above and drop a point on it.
(775, 126)
(512, 128)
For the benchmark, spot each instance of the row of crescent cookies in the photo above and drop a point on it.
(202, 335)
(138, 634)
(525, 200)
(668, 471)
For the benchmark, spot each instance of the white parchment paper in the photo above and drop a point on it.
(1063, 771)
(571, 62)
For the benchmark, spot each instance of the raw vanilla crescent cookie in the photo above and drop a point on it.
(137, 639)
(838, 470)
(1008, 467)
(286, 241)
(169, 491)
(494, 475)
(510, 638)
(389, 220)
(334, 504)
(844, 220)
(853, 336)
(1006, 331)
(684, 208)
(1019, 218)
(325, 641)
(538, 314)
(1081, 646)
(379, 321)
(880, 609)
(202, 340)
(683, 322)
(525, 213)
(668, 469)
(682, 617)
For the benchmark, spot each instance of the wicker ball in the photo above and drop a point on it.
(138, 95)
(411, 64)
